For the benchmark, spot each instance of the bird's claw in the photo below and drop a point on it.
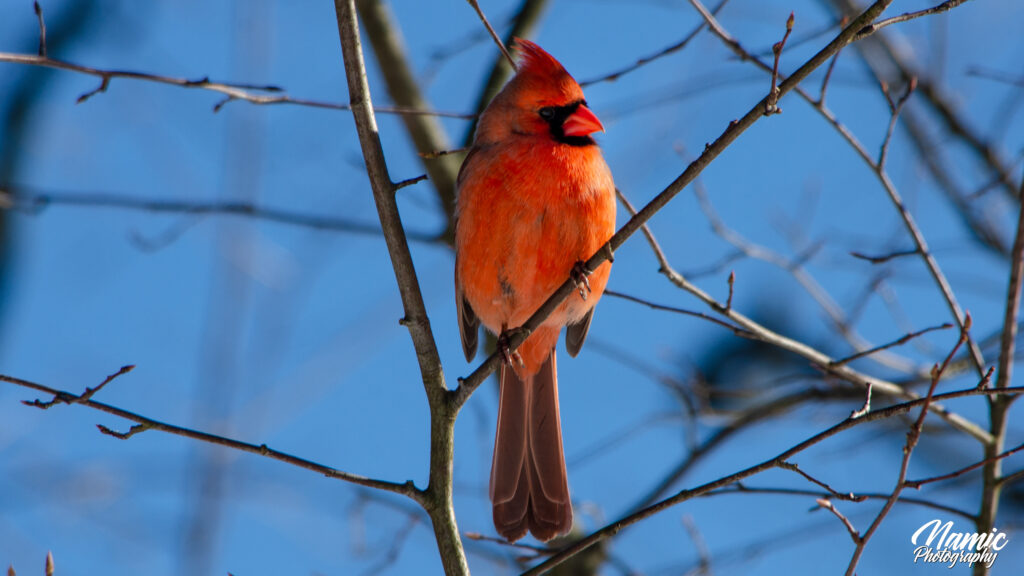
(509, 356)
(579, 275)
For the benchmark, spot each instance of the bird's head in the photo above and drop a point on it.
(542, 99)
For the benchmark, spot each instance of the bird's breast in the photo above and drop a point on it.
(527, 214)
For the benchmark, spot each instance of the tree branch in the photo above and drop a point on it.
(908, 220)
(426, 132)
(15, 198)
(999, 406)
(912, 438)
(816, 357)
(145, 423)
(684, 495)
(261, 95)
(711, 151)
(438, 495)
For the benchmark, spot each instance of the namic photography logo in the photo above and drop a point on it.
(936, 543)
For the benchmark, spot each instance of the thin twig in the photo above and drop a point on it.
(13, 197)
(740, 488)
(831, 65)
(641, 62)
(145, 423)
(753, 415)
(964, 470)
(71, 398)
(894, 114)
(771, 106)
(494, 35)
(938, 9)
(932, 92)
(735, 329)
(884, 257)
(849, 496)
(703, 552)
(732, 281)
(866, 407)
(260, 95)
(42, 29)
(898, 342)
(827, 504)
(524, 24)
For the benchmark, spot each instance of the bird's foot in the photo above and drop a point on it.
(510, 357)
(579, 275)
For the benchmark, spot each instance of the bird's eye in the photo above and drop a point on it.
(547, 113)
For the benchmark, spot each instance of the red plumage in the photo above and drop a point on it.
(535, 197)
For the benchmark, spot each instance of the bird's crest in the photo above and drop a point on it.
(545, 75)
(534, 59)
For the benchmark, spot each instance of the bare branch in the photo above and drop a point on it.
(831, 65)
(850, 496)
(894, 196)
(957, 473)
(885, 257)
(144, 423)
(816, 357)
(932, 93)
(497, 39)
(426, 132)
(771, 106)
(740, 488)
(938, 9)
(735, 329)
(827, 504)
(42, 29)
(437, 498)
(13, 197)
(72, 399)
(640, 63)
(523, 25)
(732, 281)
(898, 342)
(912, 439)
(261, 95)
(999, 406)
(684, 495)
(894, 110)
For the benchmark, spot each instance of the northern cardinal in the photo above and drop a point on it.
(535, 200)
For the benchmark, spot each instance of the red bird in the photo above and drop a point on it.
(535, 200)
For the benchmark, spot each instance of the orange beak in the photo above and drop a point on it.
(582, 122)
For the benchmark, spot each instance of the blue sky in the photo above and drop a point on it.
(289, 336)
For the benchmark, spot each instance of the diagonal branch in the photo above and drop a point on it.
(894, 196)
(725, 481)
(437, 498)
(711, 151)
(913, 436)
(816, 357)
(523, 25)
